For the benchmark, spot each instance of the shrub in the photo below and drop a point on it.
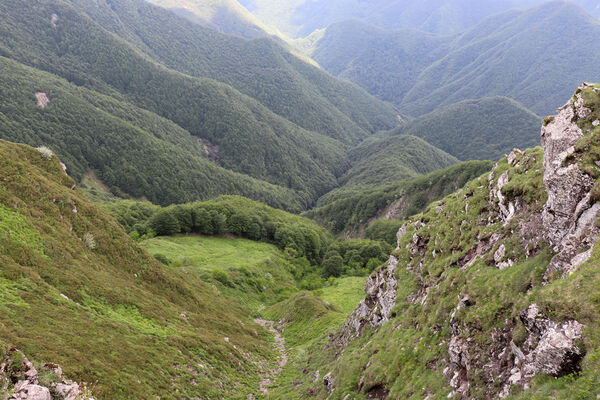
(162, 259)
(333, 266)
(89, 241)
(221, 276)
(45, 152)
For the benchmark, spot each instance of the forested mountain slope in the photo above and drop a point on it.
(352, 213)
(243, 135)
(129, 149)
(261, 69)
(533, 56)
(378, 161)
(482, 129)
(226, 16)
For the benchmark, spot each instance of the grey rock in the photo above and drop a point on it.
(376, 307)
(568, 215)
(328, 381)
(32, 392)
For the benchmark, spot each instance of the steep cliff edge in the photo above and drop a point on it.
(493, 292)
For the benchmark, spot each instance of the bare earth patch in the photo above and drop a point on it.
(42, 99)
(283, 358)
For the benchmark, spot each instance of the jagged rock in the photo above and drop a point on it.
(328, 382)
(551, 347)
(375, 309)
(68, 391)
(26, 377)
(569, 214)
(31, 392)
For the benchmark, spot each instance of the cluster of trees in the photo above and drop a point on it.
(354, 257)
(234, 215)
(314, 255)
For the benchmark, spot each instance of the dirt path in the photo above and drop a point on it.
(283, 358)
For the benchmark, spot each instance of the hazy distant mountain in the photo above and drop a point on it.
(227, 16)
(533, 56)
(301, 17)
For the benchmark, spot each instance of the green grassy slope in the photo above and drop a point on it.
(482, 129)
(379, 161)
(105, 309)
(354, 212)
(133, 150)
(250, 139)
(261, 69)
(526, 55)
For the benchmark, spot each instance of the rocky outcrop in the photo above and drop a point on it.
(551, 348)
(530, 201)
(377, 305)
(569, 215)
(22, 381)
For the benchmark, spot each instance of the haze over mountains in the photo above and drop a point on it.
(299, 18)
(532, 56)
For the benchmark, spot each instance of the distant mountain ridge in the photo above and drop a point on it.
(227, 16)
(532, 56)
(299, 18)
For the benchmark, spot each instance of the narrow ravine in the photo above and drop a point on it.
(270, 375)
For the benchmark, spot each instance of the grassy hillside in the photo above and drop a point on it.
(131, 150)
(379, 161)
(355, 212)
(261, 69)
(242, 134)
(526, 55)
(77, 291)
(483, 129)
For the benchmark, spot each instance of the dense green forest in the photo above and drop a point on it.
(261, 69)
(482, 129)
(526, 55)
(132, 151)
(353, 212)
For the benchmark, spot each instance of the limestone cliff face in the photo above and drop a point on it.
(570, 214)
(524, 209)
